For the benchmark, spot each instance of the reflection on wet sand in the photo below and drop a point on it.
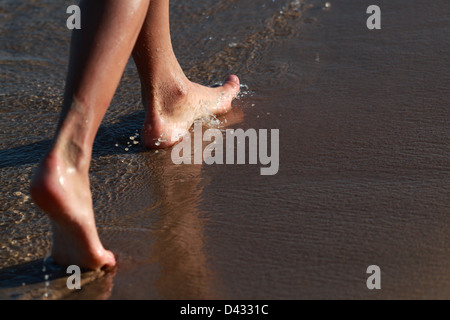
(179, 237)
(42, 279)
(179, 230)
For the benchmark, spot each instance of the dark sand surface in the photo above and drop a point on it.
(364, 157)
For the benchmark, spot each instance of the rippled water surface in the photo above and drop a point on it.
(364, 157)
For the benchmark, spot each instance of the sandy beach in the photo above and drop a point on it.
(364, 157)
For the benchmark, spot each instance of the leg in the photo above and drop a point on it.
(172, 102)
(60, 187)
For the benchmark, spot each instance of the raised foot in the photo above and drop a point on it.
(173, 111)
(63, 193)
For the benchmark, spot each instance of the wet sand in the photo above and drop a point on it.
(364, 158)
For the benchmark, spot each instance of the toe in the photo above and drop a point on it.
(232, 82)
(109, 260)
(226, 93)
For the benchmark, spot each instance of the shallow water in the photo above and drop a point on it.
(364, 157)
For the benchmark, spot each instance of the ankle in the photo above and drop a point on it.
(164, 95)
(71, 154)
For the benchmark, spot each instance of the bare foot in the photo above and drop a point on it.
(62, 191)
(175, 105)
